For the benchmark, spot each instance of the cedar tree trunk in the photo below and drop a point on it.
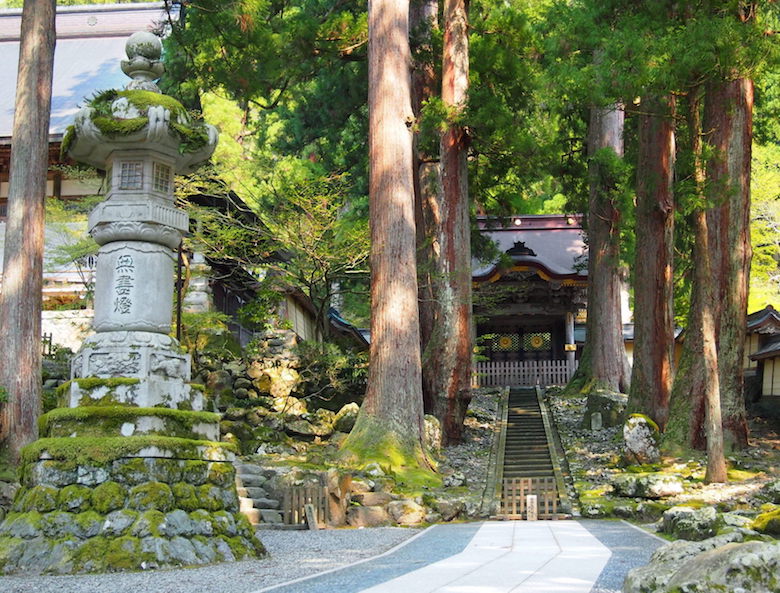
(728, 116)
(20, 302)
(603, 364)
(389, 428)
(423, 15)
(447, 372)
(695, 418)
(651, 378)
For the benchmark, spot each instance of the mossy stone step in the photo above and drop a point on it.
(126, 421)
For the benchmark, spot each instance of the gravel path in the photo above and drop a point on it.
(293, 554)
(631, 547)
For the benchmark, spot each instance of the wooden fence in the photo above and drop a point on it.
(297, 497)
(515, 491)
(523, 373)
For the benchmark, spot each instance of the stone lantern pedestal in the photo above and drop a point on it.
(130, 473)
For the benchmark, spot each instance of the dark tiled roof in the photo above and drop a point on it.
(551, 244)
(90, 45)
(770, 350)
(765, 321)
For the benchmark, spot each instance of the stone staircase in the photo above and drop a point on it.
(526, 453)
(260, 508)
(530, 465)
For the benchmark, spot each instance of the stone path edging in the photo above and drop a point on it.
(332, 570)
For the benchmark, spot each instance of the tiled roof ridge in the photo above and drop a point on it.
(84, 21)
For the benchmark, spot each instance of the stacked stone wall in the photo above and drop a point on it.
(130, 513)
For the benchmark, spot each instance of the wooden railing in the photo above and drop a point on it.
(297, 498)
(514, 498)
(523, 373)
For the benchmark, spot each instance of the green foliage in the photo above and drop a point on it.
(765, 227)
(207, 332)
(330, 376)
(307, 241)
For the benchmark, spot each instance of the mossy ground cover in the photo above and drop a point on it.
(594, 463)
(95, 421)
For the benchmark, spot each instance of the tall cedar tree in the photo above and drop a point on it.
(448, 353)
(20, 301)
(423, 22)
(651, 374)
(704, 315)
(728, 106)
(389, 427)
(604, 364)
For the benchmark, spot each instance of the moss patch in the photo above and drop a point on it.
(192, 134)
(186, 496)
(75, 498)
(107, 420)
(768, 523)
(92, 451)
(109, 496)
(151, 496)
(371, 441)
(40, 498)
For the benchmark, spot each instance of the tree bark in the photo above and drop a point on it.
(447, 372)
(603, 363)
(423, 21)
(20, 301)
(389, 428)
(651, 378)
(728, 117)
(705, 317)
(695, 408)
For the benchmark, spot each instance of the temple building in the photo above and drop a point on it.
(530, 296)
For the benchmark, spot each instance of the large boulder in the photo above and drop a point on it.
(604, 409)
(278, 381)
(640, 440)
(373, 499)
(691, 524)
(649, 485)
(667, 560)
(367, 516)
(772, 491)
(749, 567)
(406, 512)
(345, 417)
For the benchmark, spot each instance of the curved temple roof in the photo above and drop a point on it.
(553, 245)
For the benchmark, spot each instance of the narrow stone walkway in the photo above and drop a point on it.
(497, 557)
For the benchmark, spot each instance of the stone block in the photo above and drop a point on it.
(691, 524)
(375, 516)
(371, 499)
(406, 512)
(611, 406)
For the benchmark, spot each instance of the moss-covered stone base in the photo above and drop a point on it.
(127, 513)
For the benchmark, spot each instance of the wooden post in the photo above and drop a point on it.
(531, 507)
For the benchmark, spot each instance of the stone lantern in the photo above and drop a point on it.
(138, 228)
(129, 473)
